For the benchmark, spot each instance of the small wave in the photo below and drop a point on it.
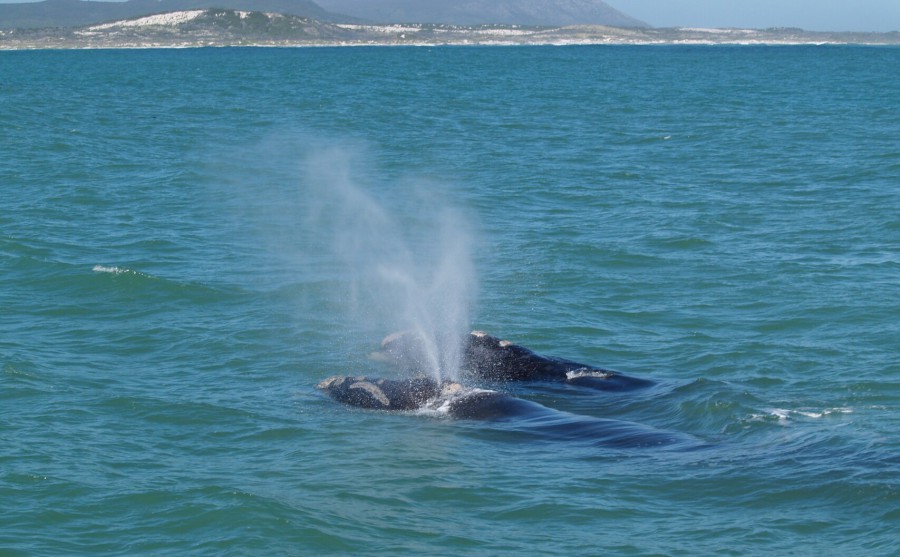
(132, 281)
(113, 270)
(121, 271)
(783, 416)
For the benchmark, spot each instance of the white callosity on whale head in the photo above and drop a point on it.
(482, 334)
(373, 390)
(380, 393)
(585, 372)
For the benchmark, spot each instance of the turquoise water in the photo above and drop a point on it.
(191, 239)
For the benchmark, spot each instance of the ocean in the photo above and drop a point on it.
(190, 240)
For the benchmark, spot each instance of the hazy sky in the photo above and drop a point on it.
(814, 15)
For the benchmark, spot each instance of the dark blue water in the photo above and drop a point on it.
(191, 239)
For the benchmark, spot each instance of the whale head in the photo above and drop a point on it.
(380, 394)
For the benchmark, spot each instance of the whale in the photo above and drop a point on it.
(452, 399)
(422, 393)
(489, 358)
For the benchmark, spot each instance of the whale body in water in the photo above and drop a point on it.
(457, 401)
(486, 358)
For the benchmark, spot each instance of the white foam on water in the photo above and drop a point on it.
(441, 404)
(784, 415)
(111, 270)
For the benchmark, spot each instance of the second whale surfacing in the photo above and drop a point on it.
(489, 358)
(457, 401)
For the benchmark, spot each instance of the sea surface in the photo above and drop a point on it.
(190, 240)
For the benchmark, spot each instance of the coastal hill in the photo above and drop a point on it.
(77, 13)
(221, 27)
(74, 13)
(475, 12)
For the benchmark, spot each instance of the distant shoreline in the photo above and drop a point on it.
(4, 48)
(413, 44)
(230, 28)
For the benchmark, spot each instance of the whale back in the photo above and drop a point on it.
(489, 358)
(494, 359)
